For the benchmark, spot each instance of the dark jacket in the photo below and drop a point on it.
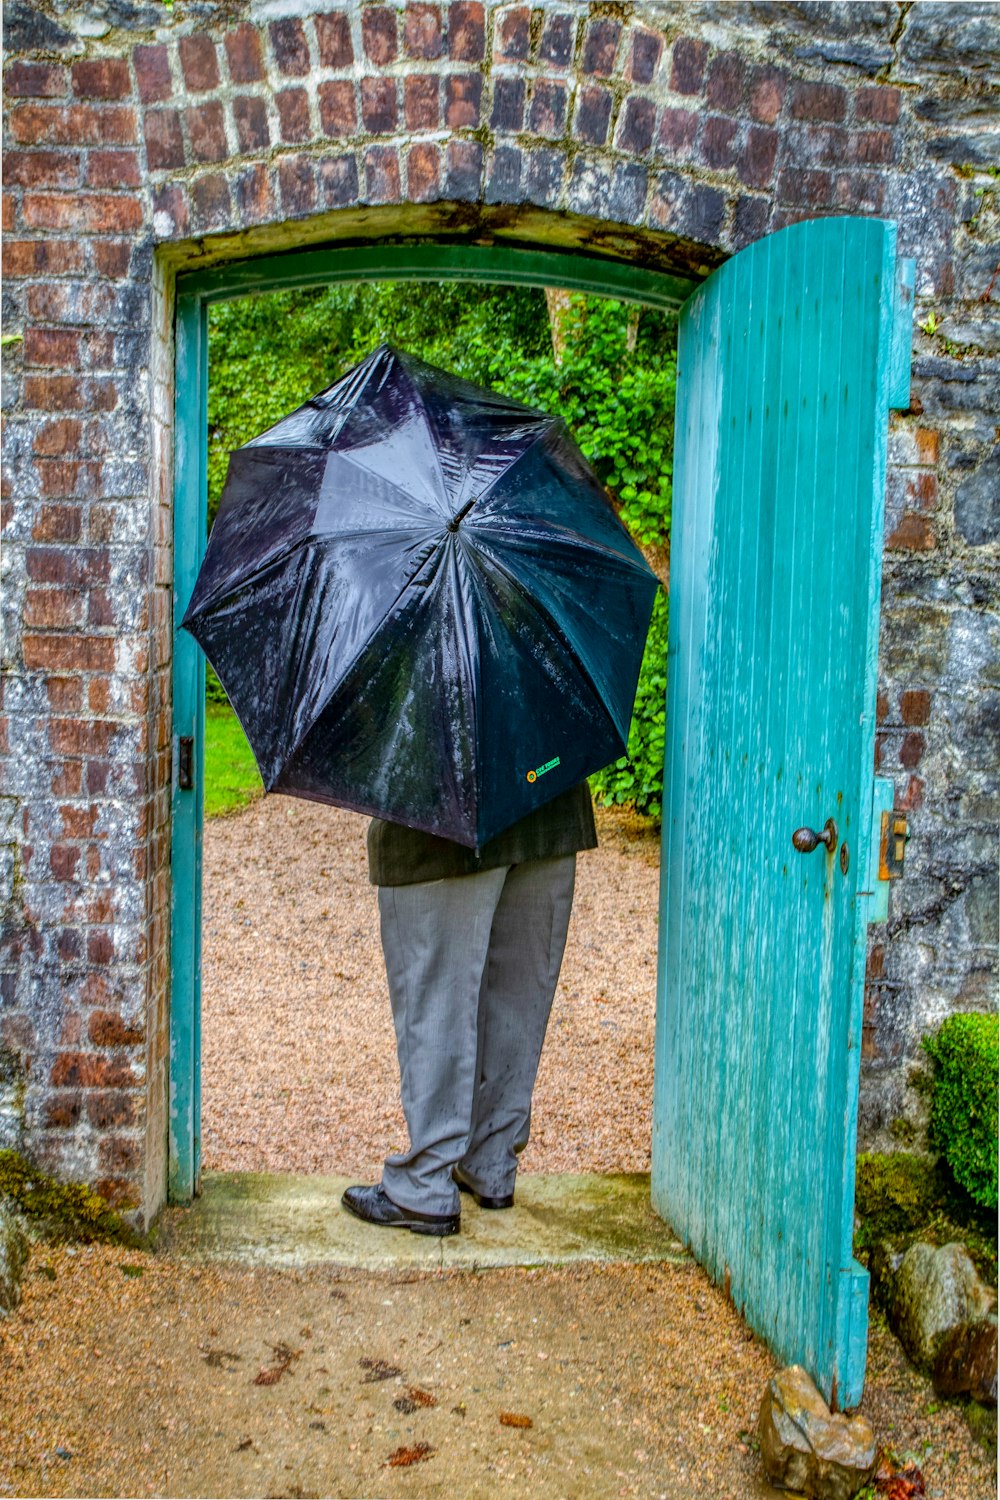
(404, 856)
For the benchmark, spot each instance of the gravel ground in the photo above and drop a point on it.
(128, 1374)
(299, 1070)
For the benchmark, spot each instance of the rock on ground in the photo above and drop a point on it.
(966, 1362)
(807, 1448)
(934, 1291)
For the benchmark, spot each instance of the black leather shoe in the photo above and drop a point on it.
(482, 1199)
(374, 1205)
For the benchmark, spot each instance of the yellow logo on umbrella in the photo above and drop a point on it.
(541, 770)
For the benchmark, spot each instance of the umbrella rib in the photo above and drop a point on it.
(552, 623)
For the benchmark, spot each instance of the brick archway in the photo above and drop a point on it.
(643, 133)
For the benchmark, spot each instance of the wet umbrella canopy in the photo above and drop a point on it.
(420, 603)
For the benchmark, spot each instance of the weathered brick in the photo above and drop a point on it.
(911, 749)
(647, 48)
(53, 609)
(333, 38)
(858, 192)
(63, 1109)
(555, 45)
(207, 132)
(291, 50)
(293, 114)
(879, 103)
(73, 125)
(806, 189)
(68, 653)
(692, 210)
(421, 102)
(338, 181)
(719, 142)
(872, 146)
(253, 194)
(250, 115)
(507, 114)
(68, 942)
(92, 213)
(378, 34)
(105, 1028)
(382, 183)
(171, 214)
(466, 31)
(750, 219)
(211, 205)
(164, 141)
(503, 178)
(199, 63)
(42, 258)
(593, 116)
(547, 115)
(636, 124)
(422, 35)
(724, 81)
(54, 392)
(600, 46)
(463, 96)
(915, 706)
(34, 80)
(101, 78)
(378, 105)
(119, 1154)
(41, 168)
(819, 101)
(755, 162)
(423, 173)
(58, 437)
(109, 1107)
(243, 54)
(687, 65)
(337, 108)
(112, 258)
(463, 170)
(152, 73)
(915, 533)
(51, 348)
(297, 186)
(111, 169)
(767, 94)
(512, 34)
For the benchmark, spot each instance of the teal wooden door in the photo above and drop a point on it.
(787, 367)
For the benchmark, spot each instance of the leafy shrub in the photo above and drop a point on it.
(963, 1124)
(614, 387)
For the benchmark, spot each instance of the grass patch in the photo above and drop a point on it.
(231, 776)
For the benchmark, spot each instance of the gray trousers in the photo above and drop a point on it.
(472, 964)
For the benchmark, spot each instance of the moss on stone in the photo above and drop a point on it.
(902, 1196)
(62, 1210)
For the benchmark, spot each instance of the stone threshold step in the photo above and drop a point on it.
(277, 1219)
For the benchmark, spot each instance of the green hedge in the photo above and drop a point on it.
(963, 1124)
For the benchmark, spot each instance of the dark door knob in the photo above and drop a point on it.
(806, 839)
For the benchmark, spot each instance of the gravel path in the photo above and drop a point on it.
(129, 1374)
(299, 1070)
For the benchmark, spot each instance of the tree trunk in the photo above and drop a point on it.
(558, 303)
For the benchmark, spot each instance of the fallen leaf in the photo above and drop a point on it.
(515, 1419)
(378, 1370)
(403, 1457)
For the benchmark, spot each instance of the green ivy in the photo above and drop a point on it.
(614, 387)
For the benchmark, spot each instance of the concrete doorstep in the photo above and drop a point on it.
(279, 1219)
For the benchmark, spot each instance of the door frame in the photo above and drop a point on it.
(427, 260)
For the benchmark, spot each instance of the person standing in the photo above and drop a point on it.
(473, 944)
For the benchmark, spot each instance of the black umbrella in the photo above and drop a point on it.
(420, 603)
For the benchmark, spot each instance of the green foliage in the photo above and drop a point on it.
(614, 387)
(61, 1210)
(637, 778)
(963, 1125)
(903, 1196)
(231, 776)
